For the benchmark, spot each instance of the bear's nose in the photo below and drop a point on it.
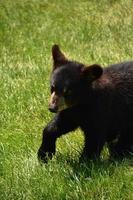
(53, 109)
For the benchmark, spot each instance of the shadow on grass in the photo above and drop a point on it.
(92, 168)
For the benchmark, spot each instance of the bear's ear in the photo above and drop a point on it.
(92, 72)
(58, 57)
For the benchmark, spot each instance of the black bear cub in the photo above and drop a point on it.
(99, 101)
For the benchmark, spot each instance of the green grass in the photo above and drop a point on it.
(88, 31)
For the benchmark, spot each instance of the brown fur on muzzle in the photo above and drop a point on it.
(57, 103)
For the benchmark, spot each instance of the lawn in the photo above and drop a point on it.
(88, 31)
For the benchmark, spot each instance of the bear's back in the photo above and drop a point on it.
(121, 81)
(121, 71)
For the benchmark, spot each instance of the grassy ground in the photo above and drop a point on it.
(89, 31)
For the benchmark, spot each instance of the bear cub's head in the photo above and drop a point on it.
(70, 81)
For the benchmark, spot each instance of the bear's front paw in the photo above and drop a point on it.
(44, 156)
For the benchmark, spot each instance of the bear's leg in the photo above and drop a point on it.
(61, 124)
(124, 146)
(93, 146)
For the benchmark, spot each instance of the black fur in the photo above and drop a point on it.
(100, 103)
